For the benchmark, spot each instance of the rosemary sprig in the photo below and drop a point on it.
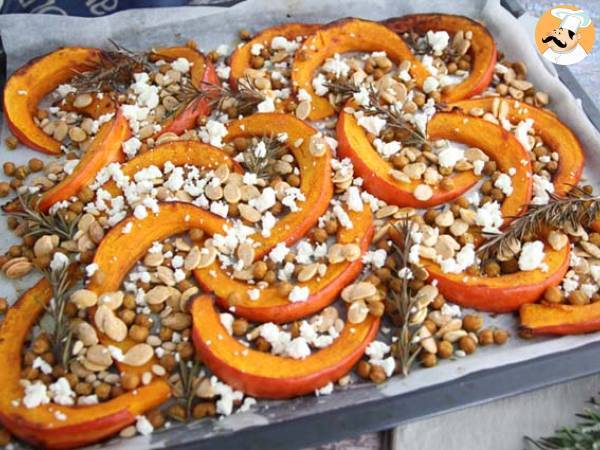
(585, 435)
(404, 300)
(562, 213)
(262, 163)
(246, 97)
(392, 115)
(41, 223)
(114, 72)
(61, 334)
(185, 389)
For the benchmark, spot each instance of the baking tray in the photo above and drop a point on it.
(362, 408)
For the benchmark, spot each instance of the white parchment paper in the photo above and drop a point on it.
(25, 37)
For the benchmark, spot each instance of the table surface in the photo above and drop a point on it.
(587, 73)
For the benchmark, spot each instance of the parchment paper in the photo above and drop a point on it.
(25, 37)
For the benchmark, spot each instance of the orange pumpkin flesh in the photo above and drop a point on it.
(482, 50)
(178, 153)
(349, 35)
(504, 293)
(83, 425)
(315, 174)
(203, 76)
(26, 88)
(267, 376)
(497, 143)
(272, 306)
(240, 58)
(540, 319)
(114, 263)
(555, 135)
(104, 149)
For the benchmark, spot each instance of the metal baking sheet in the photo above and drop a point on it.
(364, 407)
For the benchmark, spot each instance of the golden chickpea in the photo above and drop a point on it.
(577, 297)
(40, 345)
(177, 412)
(500, 337)
(204, 409)
(363, 369)
(467, 345)
(83, 388)
(138, 333)
(486, 337)
(430, 325)
(5, 437)
(428, 359)
(9, 168)
(130, 381)
(156, 418)
(492, 268)
(376, 309)
(472, 322)
(168, 362)
(102, 391)
(3, 305)
(196, 234)
(438, 302)
(377, 374)
(445, 349)
(185, 350)
(240, 327)
(234, 298)
(259, 270)
(245, 35)
(553, 295)
(262, 345)
(35, 165)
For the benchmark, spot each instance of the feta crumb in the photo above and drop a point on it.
(181, 65)
(532, 256)
(143, 426)
(299, 294)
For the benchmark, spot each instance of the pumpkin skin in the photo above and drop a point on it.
(495, 141)
(26, 88)
(347, 35)
(315, 174)
(483, 48)
(39, 426)
(541, 318)
(106, 147)
(555, 134)
(240, 58)
(268, 376)
(272, 306)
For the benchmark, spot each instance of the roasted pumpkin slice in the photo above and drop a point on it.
(240, 58)
(560, 319)
(272, 306)
(178, 153)
(555, 134)
(104, 149)
(26, 88)
(315, 174)
(348, 35)
(203, 77)
(504, 293)
(482, 49)
(268, 376)
(497, 143)
(44, 425)
(113, 263)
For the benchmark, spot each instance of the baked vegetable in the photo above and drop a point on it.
(482, 50)
(272, 306)
(41, 426)
(268, 376)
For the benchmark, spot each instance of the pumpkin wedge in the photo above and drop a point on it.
(348, 35)
(504, 293)
(113, 263)
(40, 426)
(543, 318)
(272, 306)
(555, 134)
(482, 50)
(104, 149)
(26, 88)
(268, 376)
(203, 78)
(178, 153)
(315, 174)
(240, 58)
(496, 142)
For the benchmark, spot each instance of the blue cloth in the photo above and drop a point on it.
(82, 8)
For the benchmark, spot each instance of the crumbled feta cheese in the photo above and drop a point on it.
(59, 261)
(213, 133)
(227, 322)
(61, 392)
(342, 217)
(131, 147)
(438, 41)
(181, 65)
(450, 155)
(279, 252)
(373, 124)
(353, 199)
(464, 258)
(504, 183)
(532, 256)
(489, 216)
(387, 149)
(36, 394)
(430, 84)
(39, 363)
(299, 294)
(143, 426)
(376, 258)
(542, 188)
(522, 133)
(318, 84)
(281, 43)
(325, 390)
(256, 49)
(336, 66)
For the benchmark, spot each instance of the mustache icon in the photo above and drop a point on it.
(558, 42)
